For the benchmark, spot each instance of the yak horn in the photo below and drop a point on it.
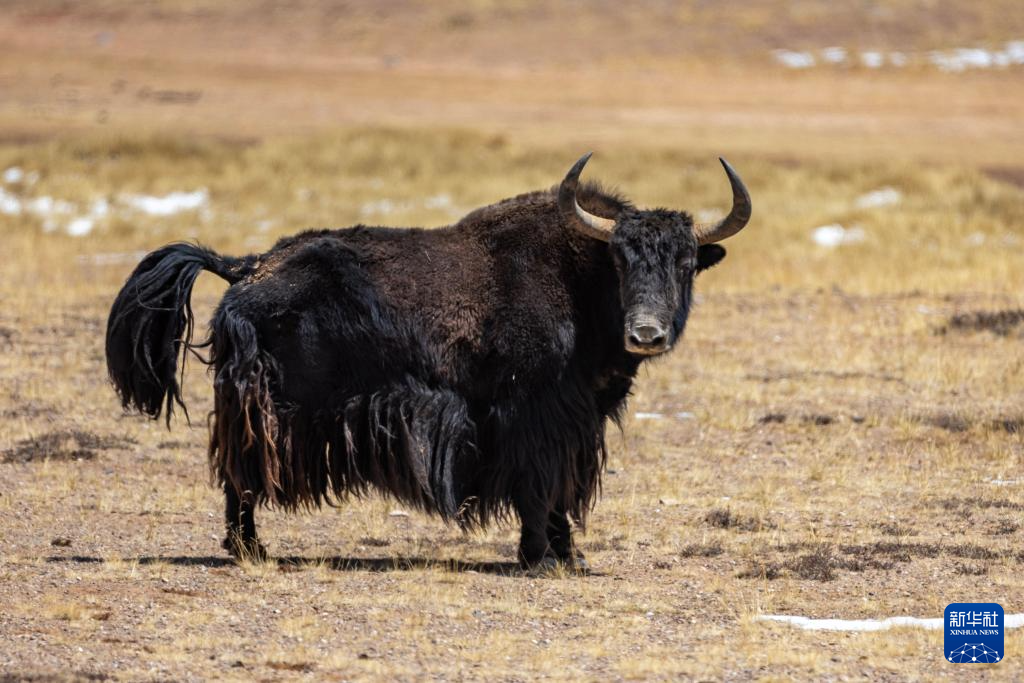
(737, 218)
(587, 223)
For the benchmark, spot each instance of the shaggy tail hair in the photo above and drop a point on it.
(151, 325)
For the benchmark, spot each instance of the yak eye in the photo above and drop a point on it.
(686, 262)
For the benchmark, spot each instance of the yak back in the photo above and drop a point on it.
(492, 306)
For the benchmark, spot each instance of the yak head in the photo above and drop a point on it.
(657, 253)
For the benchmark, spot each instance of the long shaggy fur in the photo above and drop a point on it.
(407, 440)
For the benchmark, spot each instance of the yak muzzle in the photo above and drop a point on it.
(647, 338)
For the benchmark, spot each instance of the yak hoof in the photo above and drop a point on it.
(578, 564)
(245, 549)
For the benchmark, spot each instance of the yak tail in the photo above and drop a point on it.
(151, 324)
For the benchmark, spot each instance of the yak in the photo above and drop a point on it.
(468, 371)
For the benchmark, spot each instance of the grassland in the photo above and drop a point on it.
(824, 443)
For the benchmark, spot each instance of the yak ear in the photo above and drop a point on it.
(708, 255)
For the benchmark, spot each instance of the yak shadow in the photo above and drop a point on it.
(337, 563)
(393, 564)
(180, 560)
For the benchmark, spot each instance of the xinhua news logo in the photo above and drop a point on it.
(974, 633)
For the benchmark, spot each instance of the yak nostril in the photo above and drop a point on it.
(647, 335)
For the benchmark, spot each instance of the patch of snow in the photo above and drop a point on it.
(686, 415)
(169, 204)
(377, 206)
(956, 59)
(834, 55)
(441, 201)
(872, 59)
(886, 196)
(835, 235)
(54, 212)
(83, 225)
(9, 204)
(80, 226)
(398, 513)
(14, 175)
(99, 208)
(1005, 482)
(1011, 621)
(962, 58)
(1014, 51)
(48, 206)
(794, 59)
(975, 239)
(649, 416)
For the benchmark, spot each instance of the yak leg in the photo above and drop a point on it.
(240, 519)
(535, 551)
(562, 543)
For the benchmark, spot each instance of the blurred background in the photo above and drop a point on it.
(235, 122)
(928, 78)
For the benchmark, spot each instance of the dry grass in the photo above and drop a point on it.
(829, 429)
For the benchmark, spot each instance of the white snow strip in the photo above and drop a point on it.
(169, 204)
(794, 59)
(99, 208)
(48, 206)
(441, 201)
(872, 59)
(683, 415)
(808, 624)
(955, 59)
(54, 211)
(834, 235)
(963, 58)
(834, 55)
(377, 206)
(1015, 51)
(886, 196)
(13, 175)
(80, 226)
(1005, 482)
(9, 204)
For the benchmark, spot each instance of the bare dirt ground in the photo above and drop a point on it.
(840, 435)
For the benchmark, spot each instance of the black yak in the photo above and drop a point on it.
(467, 371)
